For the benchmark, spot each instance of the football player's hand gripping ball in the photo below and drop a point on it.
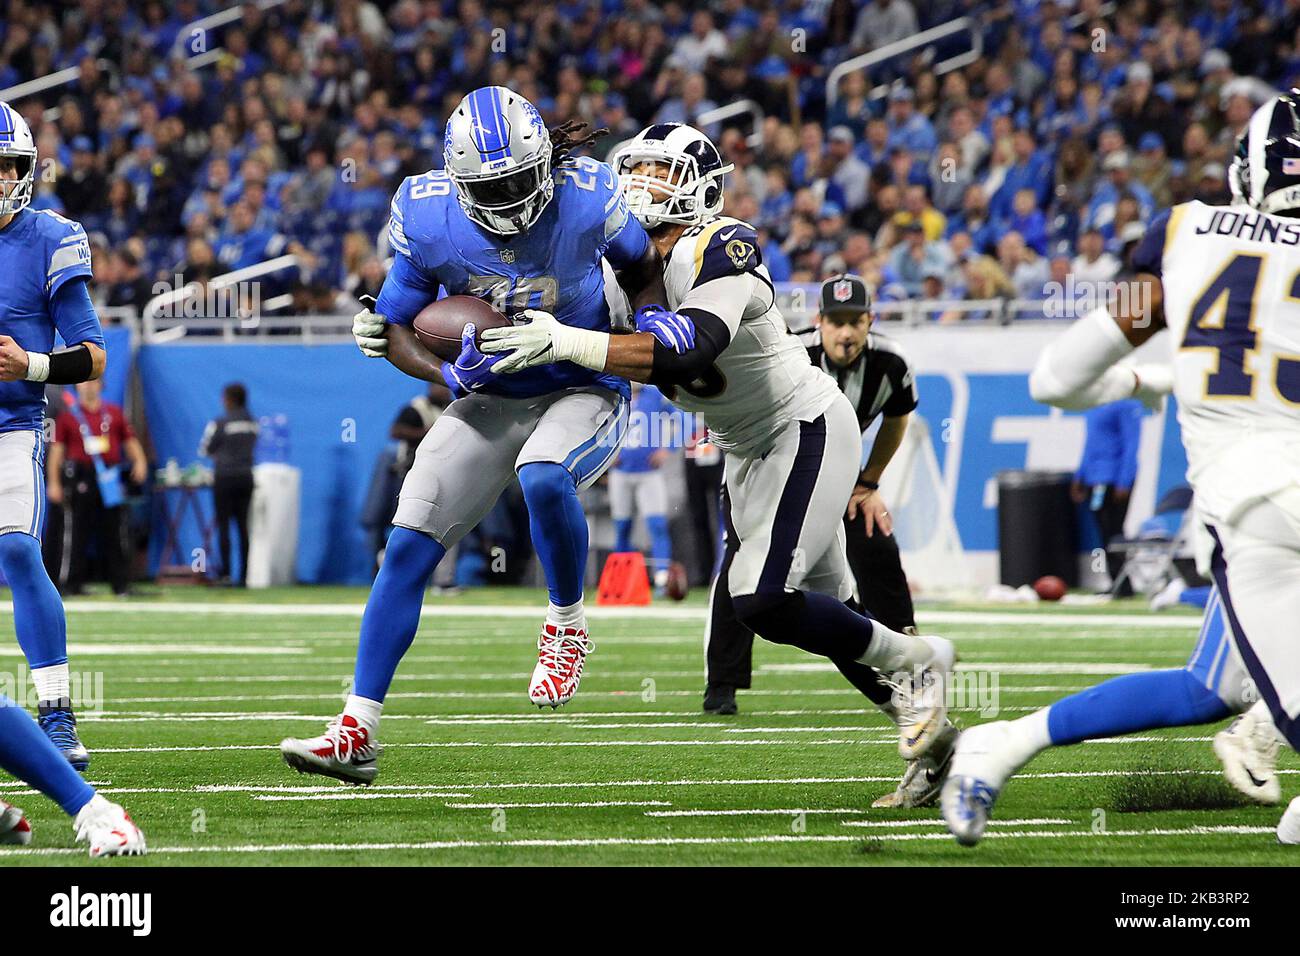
(472, 369)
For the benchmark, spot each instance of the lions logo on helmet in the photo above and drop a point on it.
(16, 143)
(498, 155)
(1265, 168)
(671, 173)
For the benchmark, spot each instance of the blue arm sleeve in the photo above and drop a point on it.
(74, 315)
(1130, 427)
(406, 290)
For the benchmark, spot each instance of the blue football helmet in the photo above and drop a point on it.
(498, 153)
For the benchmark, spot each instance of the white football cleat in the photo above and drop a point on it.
(14, 828)
(980, 768)
(1288, 828)
(561, 654)
(922, 700)
(347, 751)
(108, 829)
(1248, 750)
(924, 776)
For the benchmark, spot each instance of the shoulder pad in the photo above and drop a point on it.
(725, 247)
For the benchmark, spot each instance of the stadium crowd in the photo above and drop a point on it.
(1040, 160)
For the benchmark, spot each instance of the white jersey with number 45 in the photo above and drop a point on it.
(1231, 280)
(763, 379)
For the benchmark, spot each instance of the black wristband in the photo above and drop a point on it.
(869, 485)
(70, 366)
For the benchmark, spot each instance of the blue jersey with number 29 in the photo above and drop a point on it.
(555, 266)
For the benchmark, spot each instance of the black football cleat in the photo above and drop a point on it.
(720, 699)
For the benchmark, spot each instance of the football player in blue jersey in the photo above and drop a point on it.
(45, 265)
(515, 220)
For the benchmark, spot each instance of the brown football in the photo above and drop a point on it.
(440, 324)
(1050, 587)
(679, 584)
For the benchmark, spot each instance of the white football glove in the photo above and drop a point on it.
(370, 330)
(544, 340)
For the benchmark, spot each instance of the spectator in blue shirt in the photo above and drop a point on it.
(1032, 169)
(913, 258)
(907, 127)
(1108, 469)
(1028, 220)
(1119, 182)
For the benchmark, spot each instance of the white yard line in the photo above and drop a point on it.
(363, 795)
(97, 649)
(1082, 832)
(560, 804)
(334, 788)
(433, 609)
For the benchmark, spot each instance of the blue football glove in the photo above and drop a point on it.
(472, 369)
(673, 330)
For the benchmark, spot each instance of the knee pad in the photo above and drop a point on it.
(545, 483)
(411, 552)
(19, 553)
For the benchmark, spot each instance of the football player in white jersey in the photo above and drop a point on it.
(790, 437)
(1225, 280)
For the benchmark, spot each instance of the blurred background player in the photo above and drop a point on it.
(791, 440)
(1106, 473)
(93, 442)
(45, 260)
(231, 442)
(636, 481)
(1243, 451)
(511, 219)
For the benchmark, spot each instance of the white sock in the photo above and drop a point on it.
(51, 682)
(1288, 828)
(1030, 735)
(571, 616)
(364, 710)
(891, 651)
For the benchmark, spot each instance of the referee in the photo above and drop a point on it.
(877, 379)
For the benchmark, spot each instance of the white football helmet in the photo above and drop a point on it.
(498, 153)
(691, 185)
(16, 142)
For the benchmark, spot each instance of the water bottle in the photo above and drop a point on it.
(281, 437)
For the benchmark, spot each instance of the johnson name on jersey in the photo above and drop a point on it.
(1231, 281)
(763, 379)
(555, 266)
(40, 252)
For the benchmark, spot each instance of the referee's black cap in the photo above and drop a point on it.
(845, 293)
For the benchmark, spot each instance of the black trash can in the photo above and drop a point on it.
(1037, 530)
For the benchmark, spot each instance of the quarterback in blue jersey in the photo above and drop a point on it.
(45, 262)
(514, 220)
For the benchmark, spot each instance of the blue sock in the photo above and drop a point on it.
(622, 534)
(661, 544)
(27, 753)
(1123, 705)
(38, 610)
(1196, 597)
(559, 528)
(393, 609)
